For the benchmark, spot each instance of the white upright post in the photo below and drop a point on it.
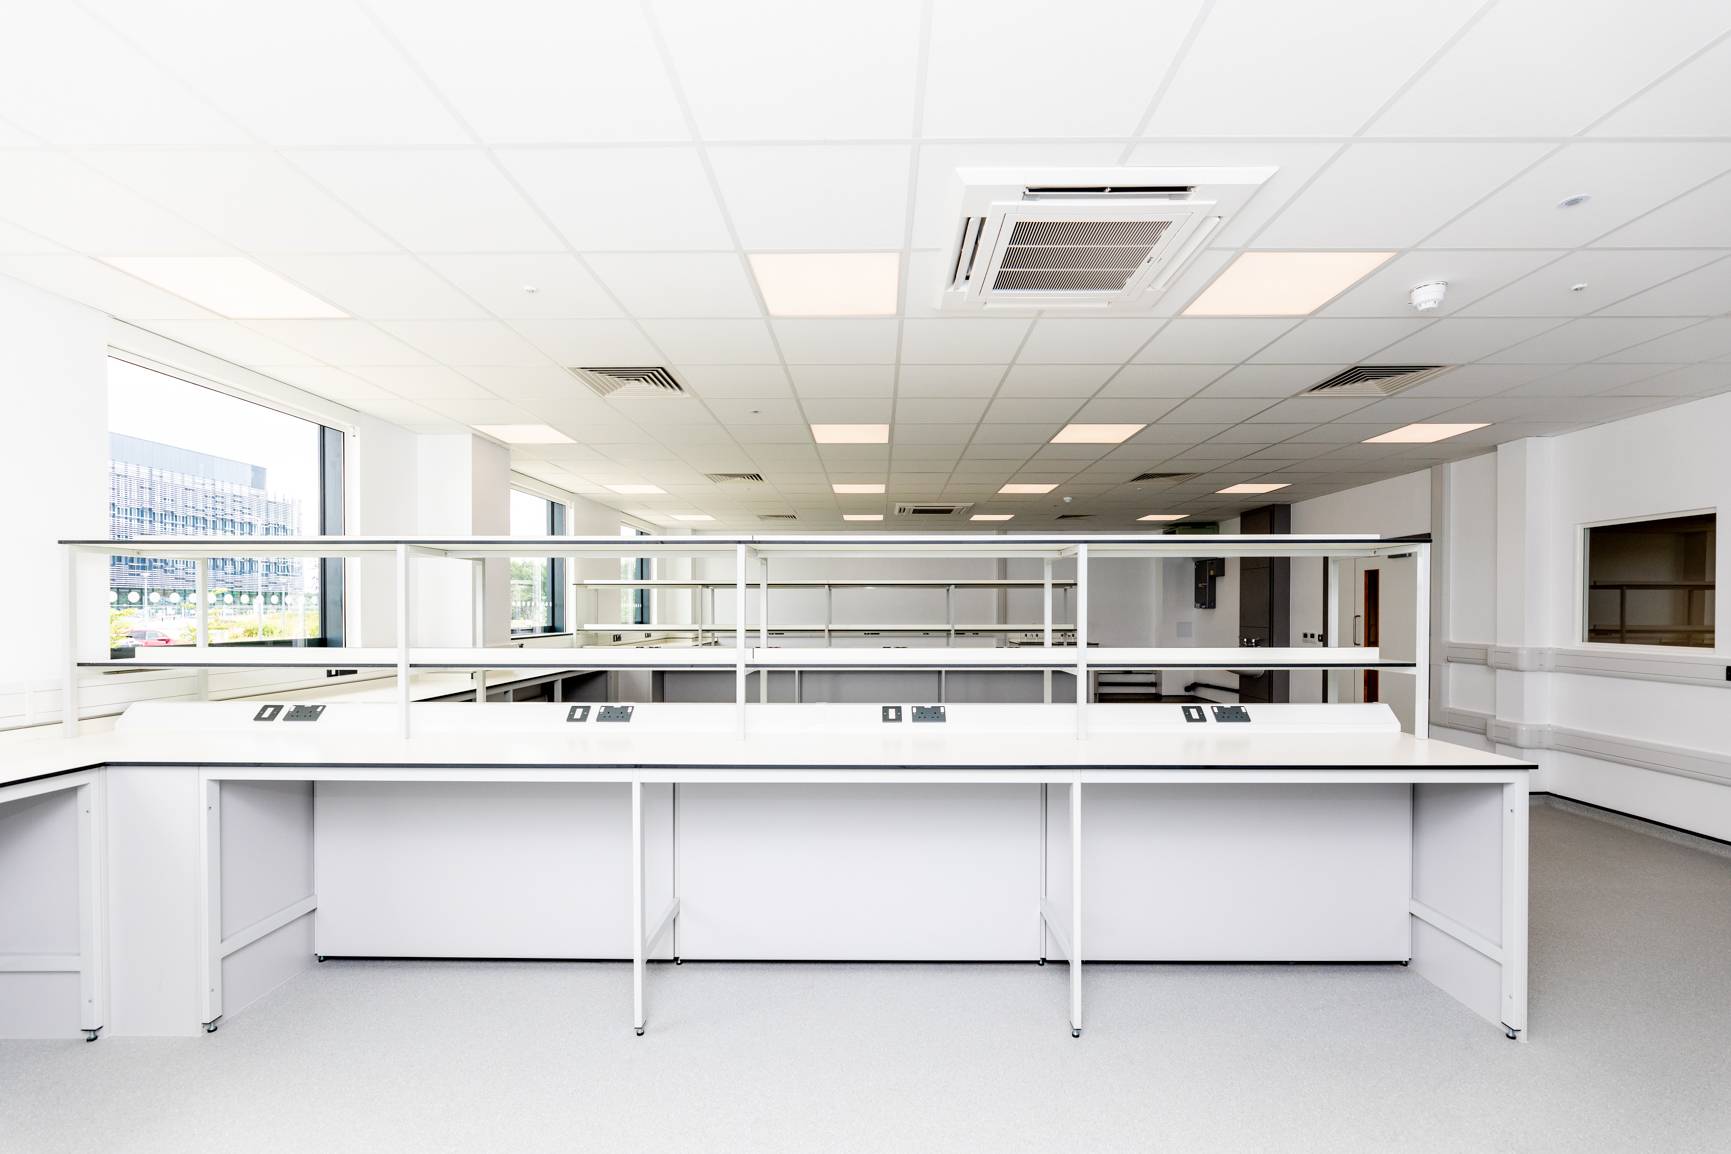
(1076, 906)
(1331, 622)
(1082, 639)
(210, 901)
(739, 632)
(637, 952)
(1046, 635)
(1514, 936)
(1421, 649)
(201, 636)
(763, 624)
(403, 640)
(69, 692)
(92, 906)
(478, 622)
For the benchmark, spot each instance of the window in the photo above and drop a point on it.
(1651, 582)
(634, 602)
(189, 461)
(537, 584)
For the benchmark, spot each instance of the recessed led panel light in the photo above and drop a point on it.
(851, 434)
(857, 489)
(1015, 489)
(862, 516)
(1421, 434)
(525, 434)
(828, 284)
(230, 285)
(991, 517)
(637, 490)
(1096, 434)
(692, 517)
(1163, 517)
(1253, 488)
(1282, 284)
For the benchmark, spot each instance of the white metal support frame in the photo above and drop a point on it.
(210, 902)
(643, 940)
(1421, 653)
(90, 963)
(763, 624)
(1516, 816)
(1046, 626)
(404, 696)
(202, 638)
(739, 632)
(69, 692)
(1082, 640)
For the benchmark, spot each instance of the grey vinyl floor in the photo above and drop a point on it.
(1630, 1049)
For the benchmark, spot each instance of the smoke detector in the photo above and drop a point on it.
(1108, 239)
(1428, 296)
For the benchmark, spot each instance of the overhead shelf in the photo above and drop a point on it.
(855, 583)
(314, 657)
(818, 628)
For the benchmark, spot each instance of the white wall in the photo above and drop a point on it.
(54, 386)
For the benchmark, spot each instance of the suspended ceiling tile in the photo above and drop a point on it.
(1623, 180)
(1539, 69)
(1390, 196)
(510, 75)
(830, 342)
(1091, 85)
(677, 284)
(665, 206)
(834, 198)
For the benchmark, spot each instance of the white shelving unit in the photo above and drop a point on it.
(743, 655)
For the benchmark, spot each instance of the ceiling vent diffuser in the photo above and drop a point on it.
(1140, 477)
(736, 478)
(1374, 380)
(1104, 239)
(931, 509)
(1072, 516)
(778, 516)
(629, 381)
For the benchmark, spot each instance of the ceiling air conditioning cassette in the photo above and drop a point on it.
(1106, 239)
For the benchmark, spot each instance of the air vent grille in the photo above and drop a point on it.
(630, 381)
(1072, 516)
(1076, 255)
(1374, 380)
(1139, 477)
(736, 478)
(932, 509)
(778, 516)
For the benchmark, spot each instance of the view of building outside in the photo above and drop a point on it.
(189, 461)
(531, 577)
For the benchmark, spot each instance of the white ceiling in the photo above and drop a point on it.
(418, 162)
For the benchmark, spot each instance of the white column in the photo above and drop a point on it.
(1082, 640)
(403, 640)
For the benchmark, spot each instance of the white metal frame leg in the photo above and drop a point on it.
(210, 902)
(637, 944)
(1514, 943)
(92, 906)
(1076, 908)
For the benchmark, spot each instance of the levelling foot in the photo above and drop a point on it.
(639, 1031)
(90, 1035)
(1075, 1031)
(1511, 1035)
(679, 961)
(1042, 961)
(319, 957)
(210, 1027)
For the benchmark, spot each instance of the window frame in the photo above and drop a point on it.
(642, 602)
(556, 599)
(333, 500)
(1583, 579)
